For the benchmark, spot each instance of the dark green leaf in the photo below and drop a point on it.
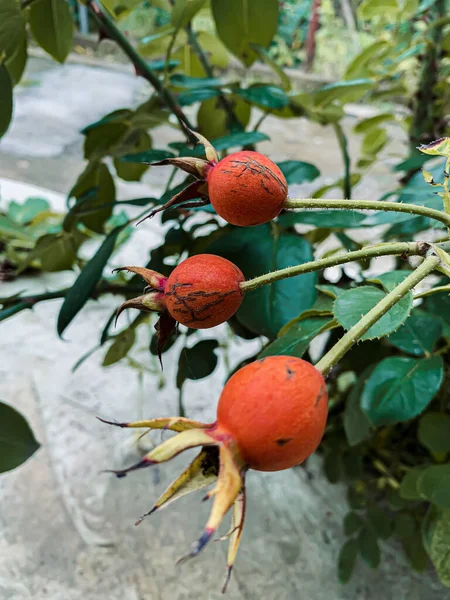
(55, 252)
(343, 91)
(184, 11)
(139, 141)
(332, 466)
(25, 212)
(86, 282)
(418, 335)
(240, 24)
(434, 432)
(434, 485)
(347, 560)
(356, 423)
(197, 95)
(17, 442)
(297, 171)
(17, 62)
(256, 251)
(266, 58)
(368, 547)
(333, 291)
(103, 138)
(405, 525)
(184, 81)
(95, 189)
(239, 139)
(6, 100)
(408, 487)
(401, 388)
(436, 540)
(51, 24)
(12, 27)
(355, 498)
(120, 347)
(352, 523)
(265, 96)
(148, 156)
(197, 362)
(415, 552)
(333, 219)
(380, 522)
(353, 304)
(297, 338)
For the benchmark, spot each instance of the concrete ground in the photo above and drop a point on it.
(66, 531)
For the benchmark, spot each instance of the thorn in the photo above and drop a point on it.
(227, 579)
(147, 514)
(197, 546)
(116, 423)
(140, 465)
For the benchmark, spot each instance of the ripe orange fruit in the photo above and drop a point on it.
(203, 291)
(271, 416)
(246, 188)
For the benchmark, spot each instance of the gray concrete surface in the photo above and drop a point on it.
(66, 531)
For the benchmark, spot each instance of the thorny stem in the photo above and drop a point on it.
(353, 335)
(141, 66)
(395, 248)
(328, 203)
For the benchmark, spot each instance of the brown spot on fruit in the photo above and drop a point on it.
(289, 372)
(283, 441)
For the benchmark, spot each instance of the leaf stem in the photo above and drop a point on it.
(327, 203)
(343, 146)
(142, 68)
(353, 335)
(395, 248)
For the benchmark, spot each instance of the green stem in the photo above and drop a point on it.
(333, 356)
(141, 66)
(328, 203)
(395, 248)
(343, 146)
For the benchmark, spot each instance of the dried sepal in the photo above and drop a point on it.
(210, 151)
(235, 533)
(193, 190)
(199, 474)
(164, 326)
(198, 167)
(154, 279)
(151, 302)
(170, 448)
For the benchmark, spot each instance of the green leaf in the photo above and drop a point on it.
(197, 362)
(240, 24)
(332, 219)
(17, 442)
(391, 279)
(360, 66)
(94, 189)
(297, 171)
(379, 522)
(193, 96)
(368, 547)
(408, 487)
(373, 122)
(12, 28)
(264, 96)
(434, 432)
(356, 423)
(256, 250)
(52, 27)
(148, 156)
(405, 525)
(55, 252)
(415, 552)
(297, 339)
(126, 170)
(184, 11)
(343, 91)
(86, 282)
(356, 303)
(239, 139)
(102, 138)
(436, 540)
(347, 560)
(16, 63)
(184, 81)
(375, 8)
(401, 388)
(6, 100)
(374, 141)
(352, 523)
(265, 57)
(23, 213)
(213, 121)
(418, 335)
(120, 347)
(332, 291)
(434, 485)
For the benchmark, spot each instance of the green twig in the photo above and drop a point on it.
(327, 203)
(141, 66)
(333, 356)
(395, 248)
(343, 146)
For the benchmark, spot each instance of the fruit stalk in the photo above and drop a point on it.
(353, 335)
(328, 203)
(395, 248)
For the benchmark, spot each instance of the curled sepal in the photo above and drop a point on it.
(199, 474)
(170, 448)
(151, 302)
(210, 151)
(229, 484)
(170, 423)
(198, 167)
(154, 279)
(194, 190)
(235, 533)
(440, 147)
(164, 326)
